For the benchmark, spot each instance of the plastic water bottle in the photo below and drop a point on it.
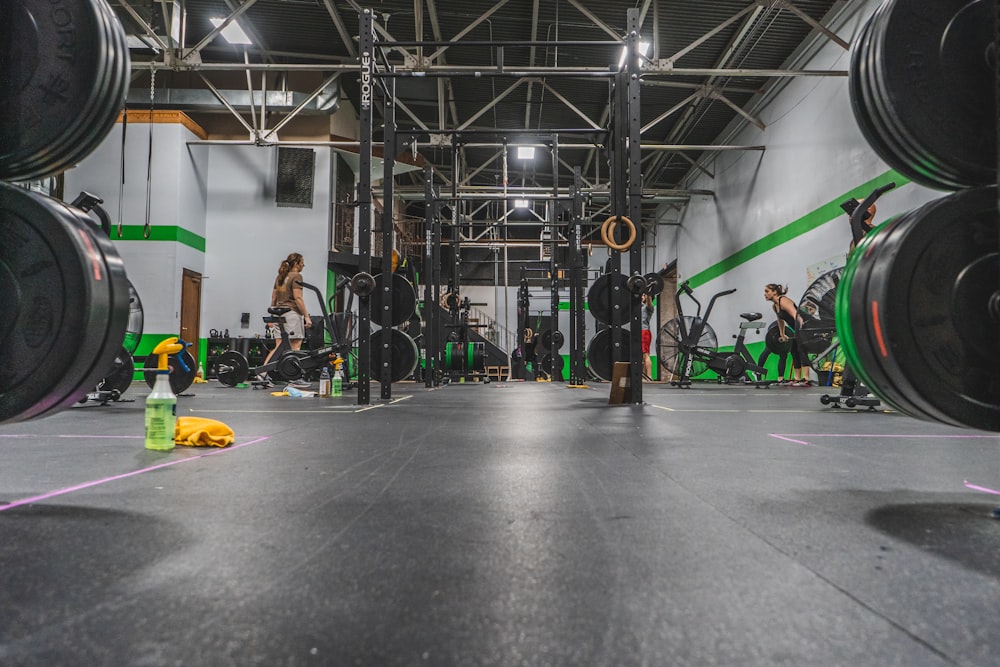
(161, 414)
(324, 382)
(338, 383)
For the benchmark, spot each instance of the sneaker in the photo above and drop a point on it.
(802, 383)
(299, 384)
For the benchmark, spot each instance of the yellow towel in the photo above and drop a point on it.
(201, 432)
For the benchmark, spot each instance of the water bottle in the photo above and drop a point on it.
(338, 383)
(324, 382)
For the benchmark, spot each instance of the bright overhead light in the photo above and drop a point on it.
(232, 33)
(525, 152)
(643, 50)
(522, 203)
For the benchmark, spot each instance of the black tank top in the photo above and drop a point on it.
(782, 314)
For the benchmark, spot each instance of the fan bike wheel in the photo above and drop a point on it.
(669, 349)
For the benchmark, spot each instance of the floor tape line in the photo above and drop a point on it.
(115, 478)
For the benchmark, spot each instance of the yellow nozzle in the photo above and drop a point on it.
(164, 349)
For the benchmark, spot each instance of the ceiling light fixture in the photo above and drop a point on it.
(525, 152)
(232, 33)
(643, 50)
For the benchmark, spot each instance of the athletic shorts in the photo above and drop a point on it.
(647, 340)
(295, 325)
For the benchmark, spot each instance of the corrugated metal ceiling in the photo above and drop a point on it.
(306, 31)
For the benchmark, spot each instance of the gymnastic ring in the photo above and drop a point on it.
(608, 228)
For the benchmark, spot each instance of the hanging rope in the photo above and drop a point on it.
(149, 159)
(121, 186)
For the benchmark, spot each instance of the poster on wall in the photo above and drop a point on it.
(814, 271)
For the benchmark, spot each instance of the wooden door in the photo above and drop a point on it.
(191, 310)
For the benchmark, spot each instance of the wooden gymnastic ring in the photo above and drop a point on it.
(608, 228)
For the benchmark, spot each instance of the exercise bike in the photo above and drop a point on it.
(286, 364)
(687, 346)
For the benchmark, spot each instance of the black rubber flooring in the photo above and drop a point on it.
(501, 524)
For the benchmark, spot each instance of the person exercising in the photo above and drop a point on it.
(287, 293)
(786, 311)
(647, 337)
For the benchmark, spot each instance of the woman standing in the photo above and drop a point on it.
(287, 293)
(786, 311)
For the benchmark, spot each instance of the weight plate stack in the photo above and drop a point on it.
(64, 307)
(915, 305)
(922, 90)
(64, 68)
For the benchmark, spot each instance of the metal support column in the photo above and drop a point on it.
(388, 164)
(431, 309)
(577, 286)
(367, 55)
(554, 365)
(634, 198)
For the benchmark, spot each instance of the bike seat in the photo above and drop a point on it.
(751, 317)
(278, 310)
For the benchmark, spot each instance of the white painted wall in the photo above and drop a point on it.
(248, 236)
(224, 194)
(815, 154)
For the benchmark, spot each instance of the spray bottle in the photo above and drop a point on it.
(161, 404)
(338, 378)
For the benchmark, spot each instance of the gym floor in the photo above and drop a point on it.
(501, 524)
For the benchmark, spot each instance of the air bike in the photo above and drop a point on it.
(287, 364)
(687, 346)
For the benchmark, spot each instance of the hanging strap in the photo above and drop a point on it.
(121, 186)
(149, 158)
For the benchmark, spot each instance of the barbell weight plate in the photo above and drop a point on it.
(232, 368)
(403, 301)
(63, 309)
(96, 115)
(928, 322)
(773, 342)
(56, 79)
(654, 283)
(119, 379)
(362, 284)
(557, 340)
(958, 338)
(133, 330)
(864, 106)
(608, 289)
(850, 313)
(555, 363)
(867, 340)
(403, 350)
(183, 369)
(599, 352)
(636, 284)
(935, 82)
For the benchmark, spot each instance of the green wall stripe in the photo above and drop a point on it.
(160, 233)
(824, 214)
